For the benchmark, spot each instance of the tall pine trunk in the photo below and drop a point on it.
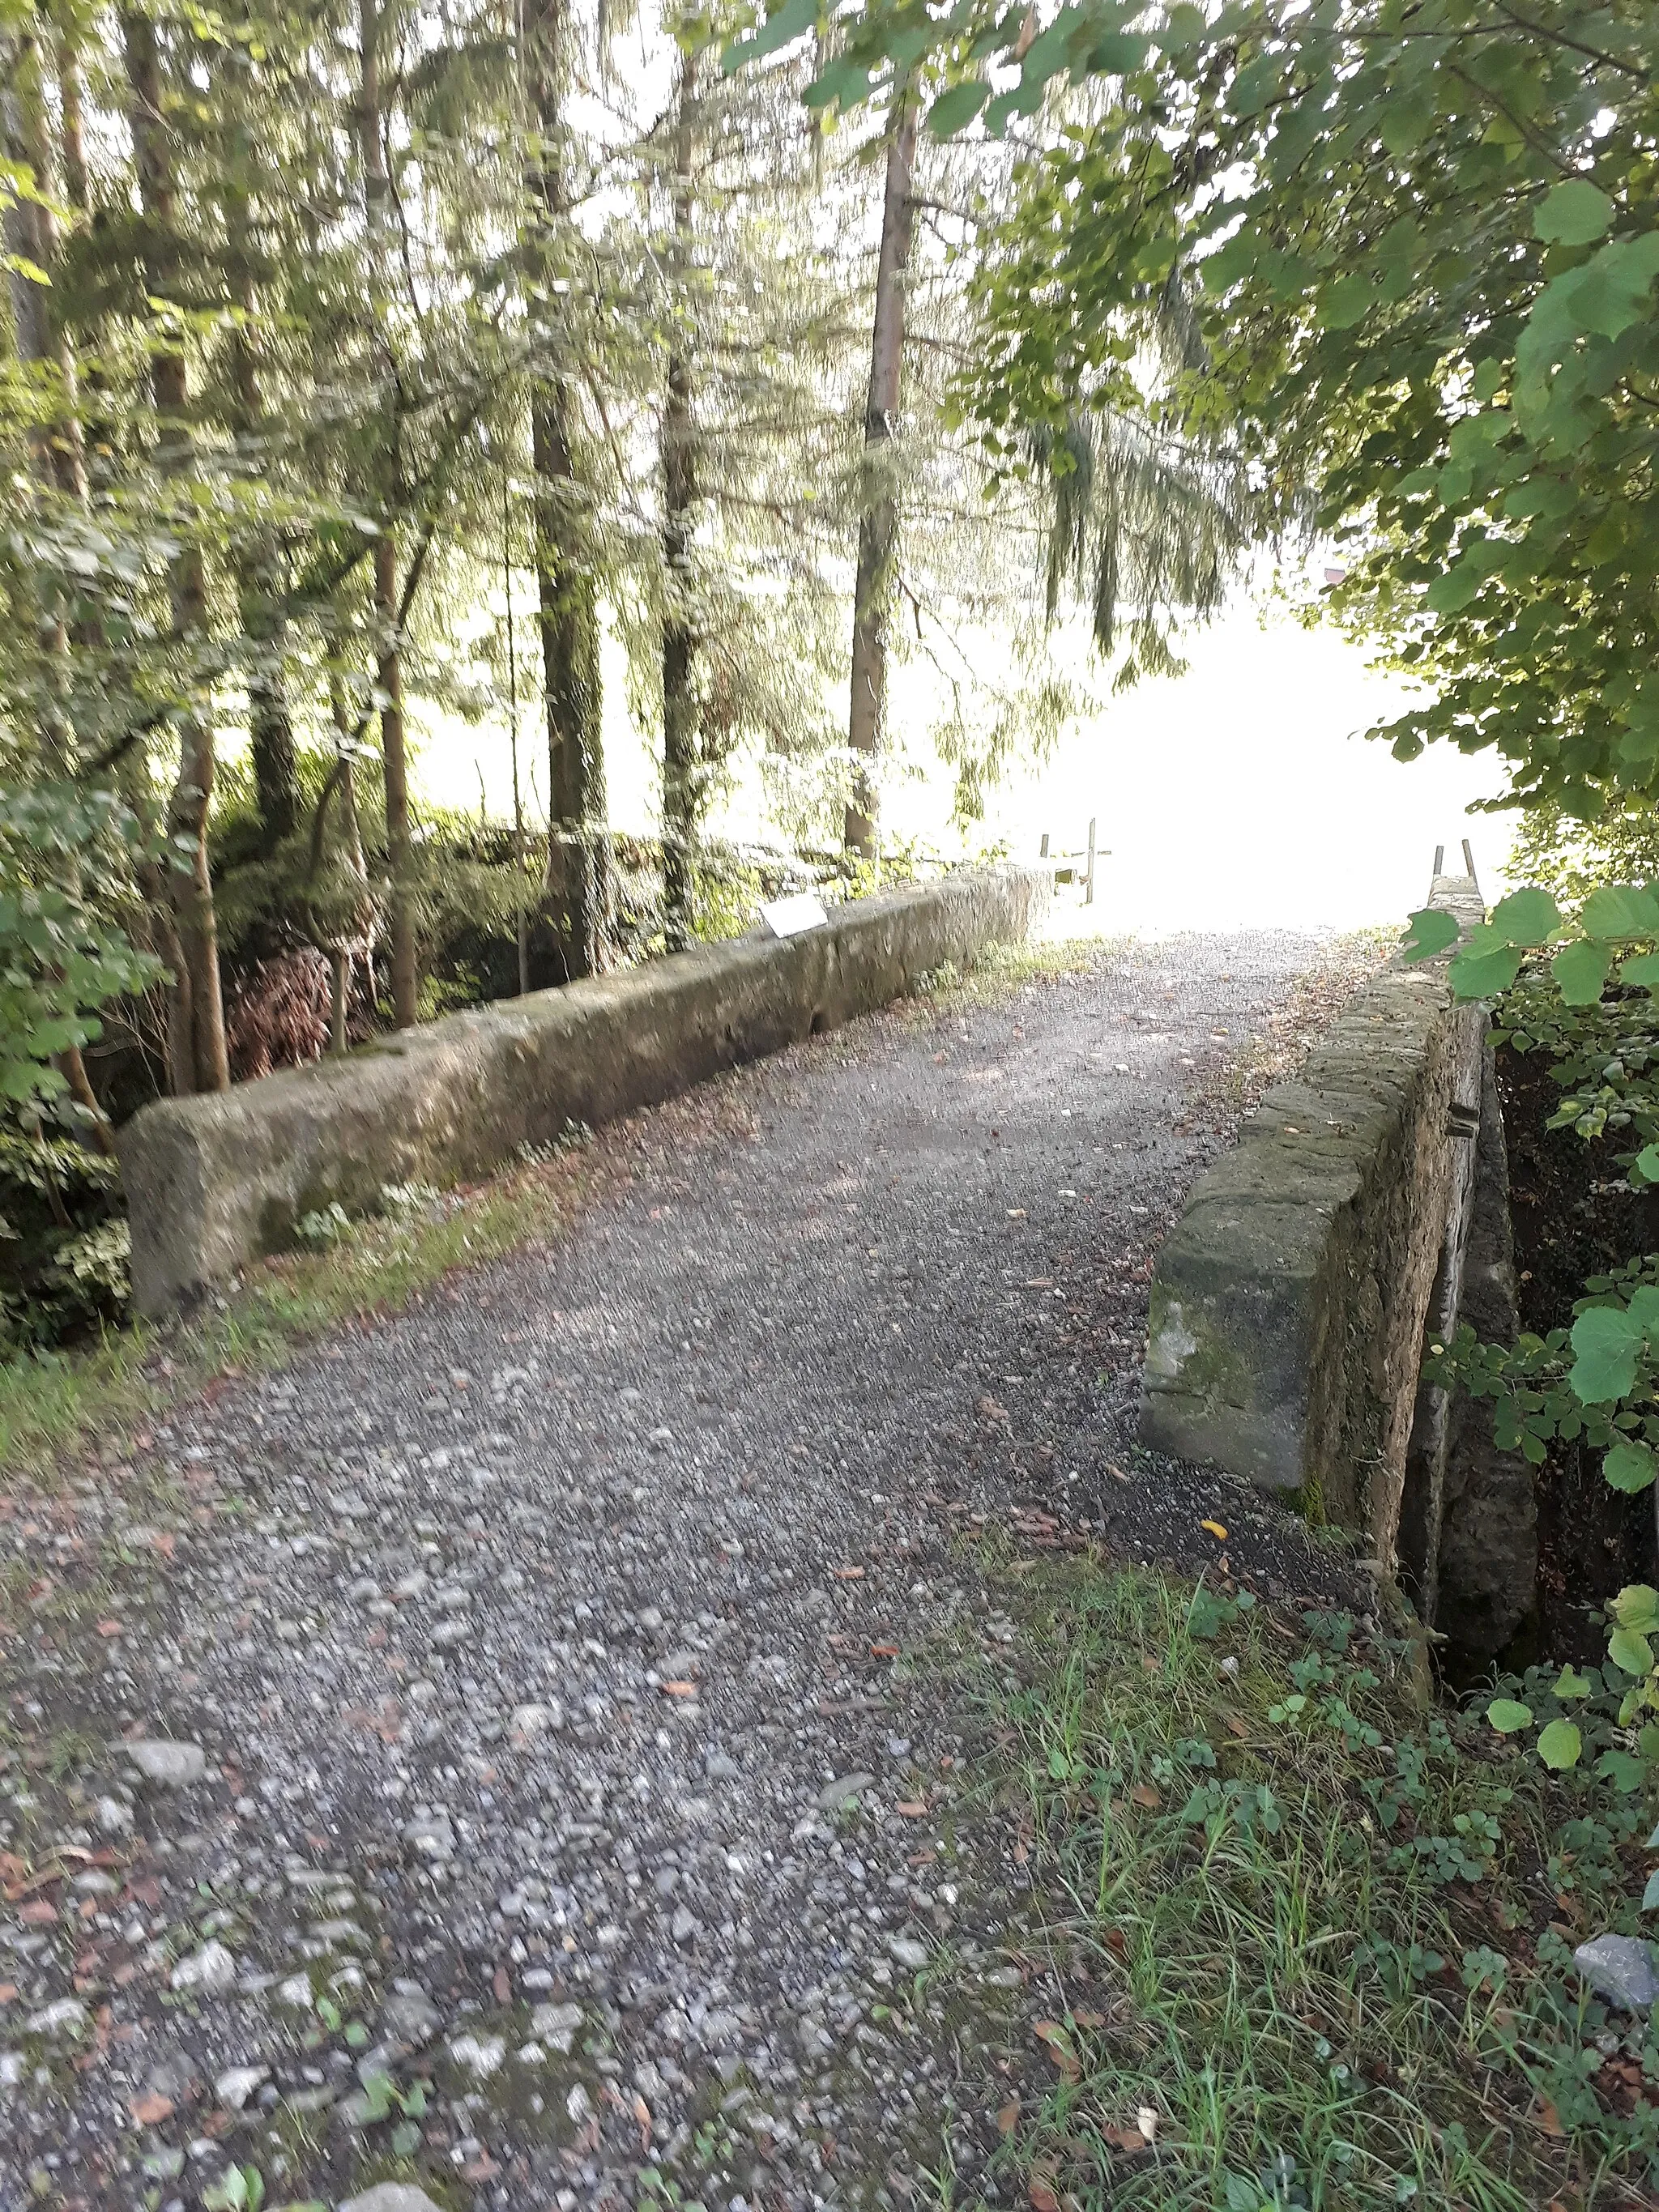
(258, 579)
(568, 610)
(872, 589)
(197, 1011)
(394, 751)
(681, 781)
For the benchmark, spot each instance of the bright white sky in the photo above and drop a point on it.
(1240, 792)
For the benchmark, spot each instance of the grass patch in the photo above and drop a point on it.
(1323, 1933)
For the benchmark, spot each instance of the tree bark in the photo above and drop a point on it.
(878, 506)
(190, 882)
(258, 579)
(394, 754)
(578, 844)
(681, 793)
(394, 757)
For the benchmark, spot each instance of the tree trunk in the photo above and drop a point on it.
(879, 516)
(32, 231)
(190, 882)
(681, 792)
(258, 579)
(578, 845)
(400, 839)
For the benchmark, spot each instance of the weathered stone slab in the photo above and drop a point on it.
(1288, 1300)
(214, 1181)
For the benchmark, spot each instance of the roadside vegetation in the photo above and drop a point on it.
(1315, 1928)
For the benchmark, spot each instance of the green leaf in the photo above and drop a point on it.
(1529, 917)
(1483, 975)
(1508, 1714)
(1559, 1745)
(1573, 214)
(1641, 971)
(1630, 1651)
(1630, 1467)
(1580, 971)
(1449, 594)
(1342, 304)
(1405, 121)
(1571, 1684)
(842, 81)
(1645, 1166)
(1256, 84)
(1605, 1341)
(1626, 1772)
(795, 17)
(1183, 27)
(1637, 1606)
(1650, 1894)
(1117, 53)
(1432, 930)
(955, 110)
(1620, 910)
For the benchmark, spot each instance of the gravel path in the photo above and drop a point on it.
(508, 1697)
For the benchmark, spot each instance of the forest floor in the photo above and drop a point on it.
(508, 1748)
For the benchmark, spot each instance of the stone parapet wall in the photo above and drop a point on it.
(215, 1182)
(1289, 1301)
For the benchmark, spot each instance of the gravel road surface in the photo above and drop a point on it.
(500, 1753)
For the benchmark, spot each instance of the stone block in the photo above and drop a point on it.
(1288, 1302)
(216, 1180)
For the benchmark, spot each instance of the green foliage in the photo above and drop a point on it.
(1323, 1957)
(64, 1248)
(65, 952)
(1470, 401)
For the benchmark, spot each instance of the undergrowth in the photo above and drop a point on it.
(1328, 1926)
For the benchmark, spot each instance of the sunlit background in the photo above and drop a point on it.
(1242, 792)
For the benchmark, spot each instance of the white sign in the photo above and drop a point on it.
(787, 917)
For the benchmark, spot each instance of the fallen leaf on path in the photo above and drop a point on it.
(1117, 1941)
(679, 1689)
(1146, 2120)
(913, 1808)
(883, 1651)
(1008, 2117)
(848, 1574)
(39, 1912)
(502, 1982)
(1043, 2198)
(1215, 1530)
(1124, 2138)
(1144, 1794)
(109, 1628)
(149, 2111)
(1054, 2036)
(1116, 1472)
(1237, 1727)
